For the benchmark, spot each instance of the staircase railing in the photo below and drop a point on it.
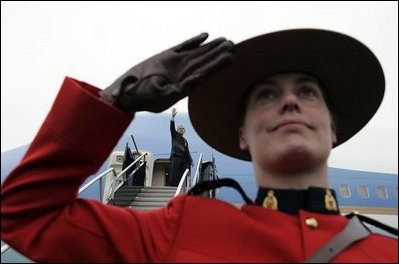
(182, 180)
(90, 183)
(4, 248)
(213, 174)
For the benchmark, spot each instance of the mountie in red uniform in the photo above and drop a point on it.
(42, 217)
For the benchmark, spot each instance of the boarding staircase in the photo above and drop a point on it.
(122, 190)
(143, 197)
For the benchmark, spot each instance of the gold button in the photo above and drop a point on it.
(311, 222)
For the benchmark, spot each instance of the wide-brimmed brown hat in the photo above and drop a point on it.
(350, 75)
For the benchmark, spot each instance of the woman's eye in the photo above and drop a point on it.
(307, 91)
(266, 94)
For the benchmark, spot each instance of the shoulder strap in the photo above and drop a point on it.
(353, 231)
(204, 186)
(375, 223)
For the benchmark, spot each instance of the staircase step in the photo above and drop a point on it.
(148, 203)
(123, 199)
(156, 194)
(152, 199)
(122, 203)
(125, 194)
(144, 208)
(157, 191)
(148, 187)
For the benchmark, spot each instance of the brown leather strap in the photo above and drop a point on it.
(353, 231)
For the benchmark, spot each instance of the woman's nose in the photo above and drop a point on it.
(289, 103)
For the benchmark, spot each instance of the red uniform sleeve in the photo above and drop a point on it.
(41, 216)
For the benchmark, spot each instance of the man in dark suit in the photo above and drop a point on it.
(180, 157)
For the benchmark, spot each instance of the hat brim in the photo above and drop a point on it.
(349, 72)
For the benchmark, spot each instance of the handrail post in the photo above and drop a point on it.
(188, 180)
(196, 175)
(134, 142)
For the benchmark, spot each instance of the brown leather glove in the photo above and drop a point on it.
(160, 81)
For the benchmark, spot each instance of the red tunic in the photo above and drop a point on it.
(42, 218)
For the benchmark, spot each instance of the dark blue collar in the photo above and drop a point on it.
(314, 199)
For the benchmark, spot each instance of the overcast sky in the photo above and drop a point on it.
(43, 42)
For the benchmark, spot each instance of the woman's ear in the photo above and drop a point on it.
(242, 140)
